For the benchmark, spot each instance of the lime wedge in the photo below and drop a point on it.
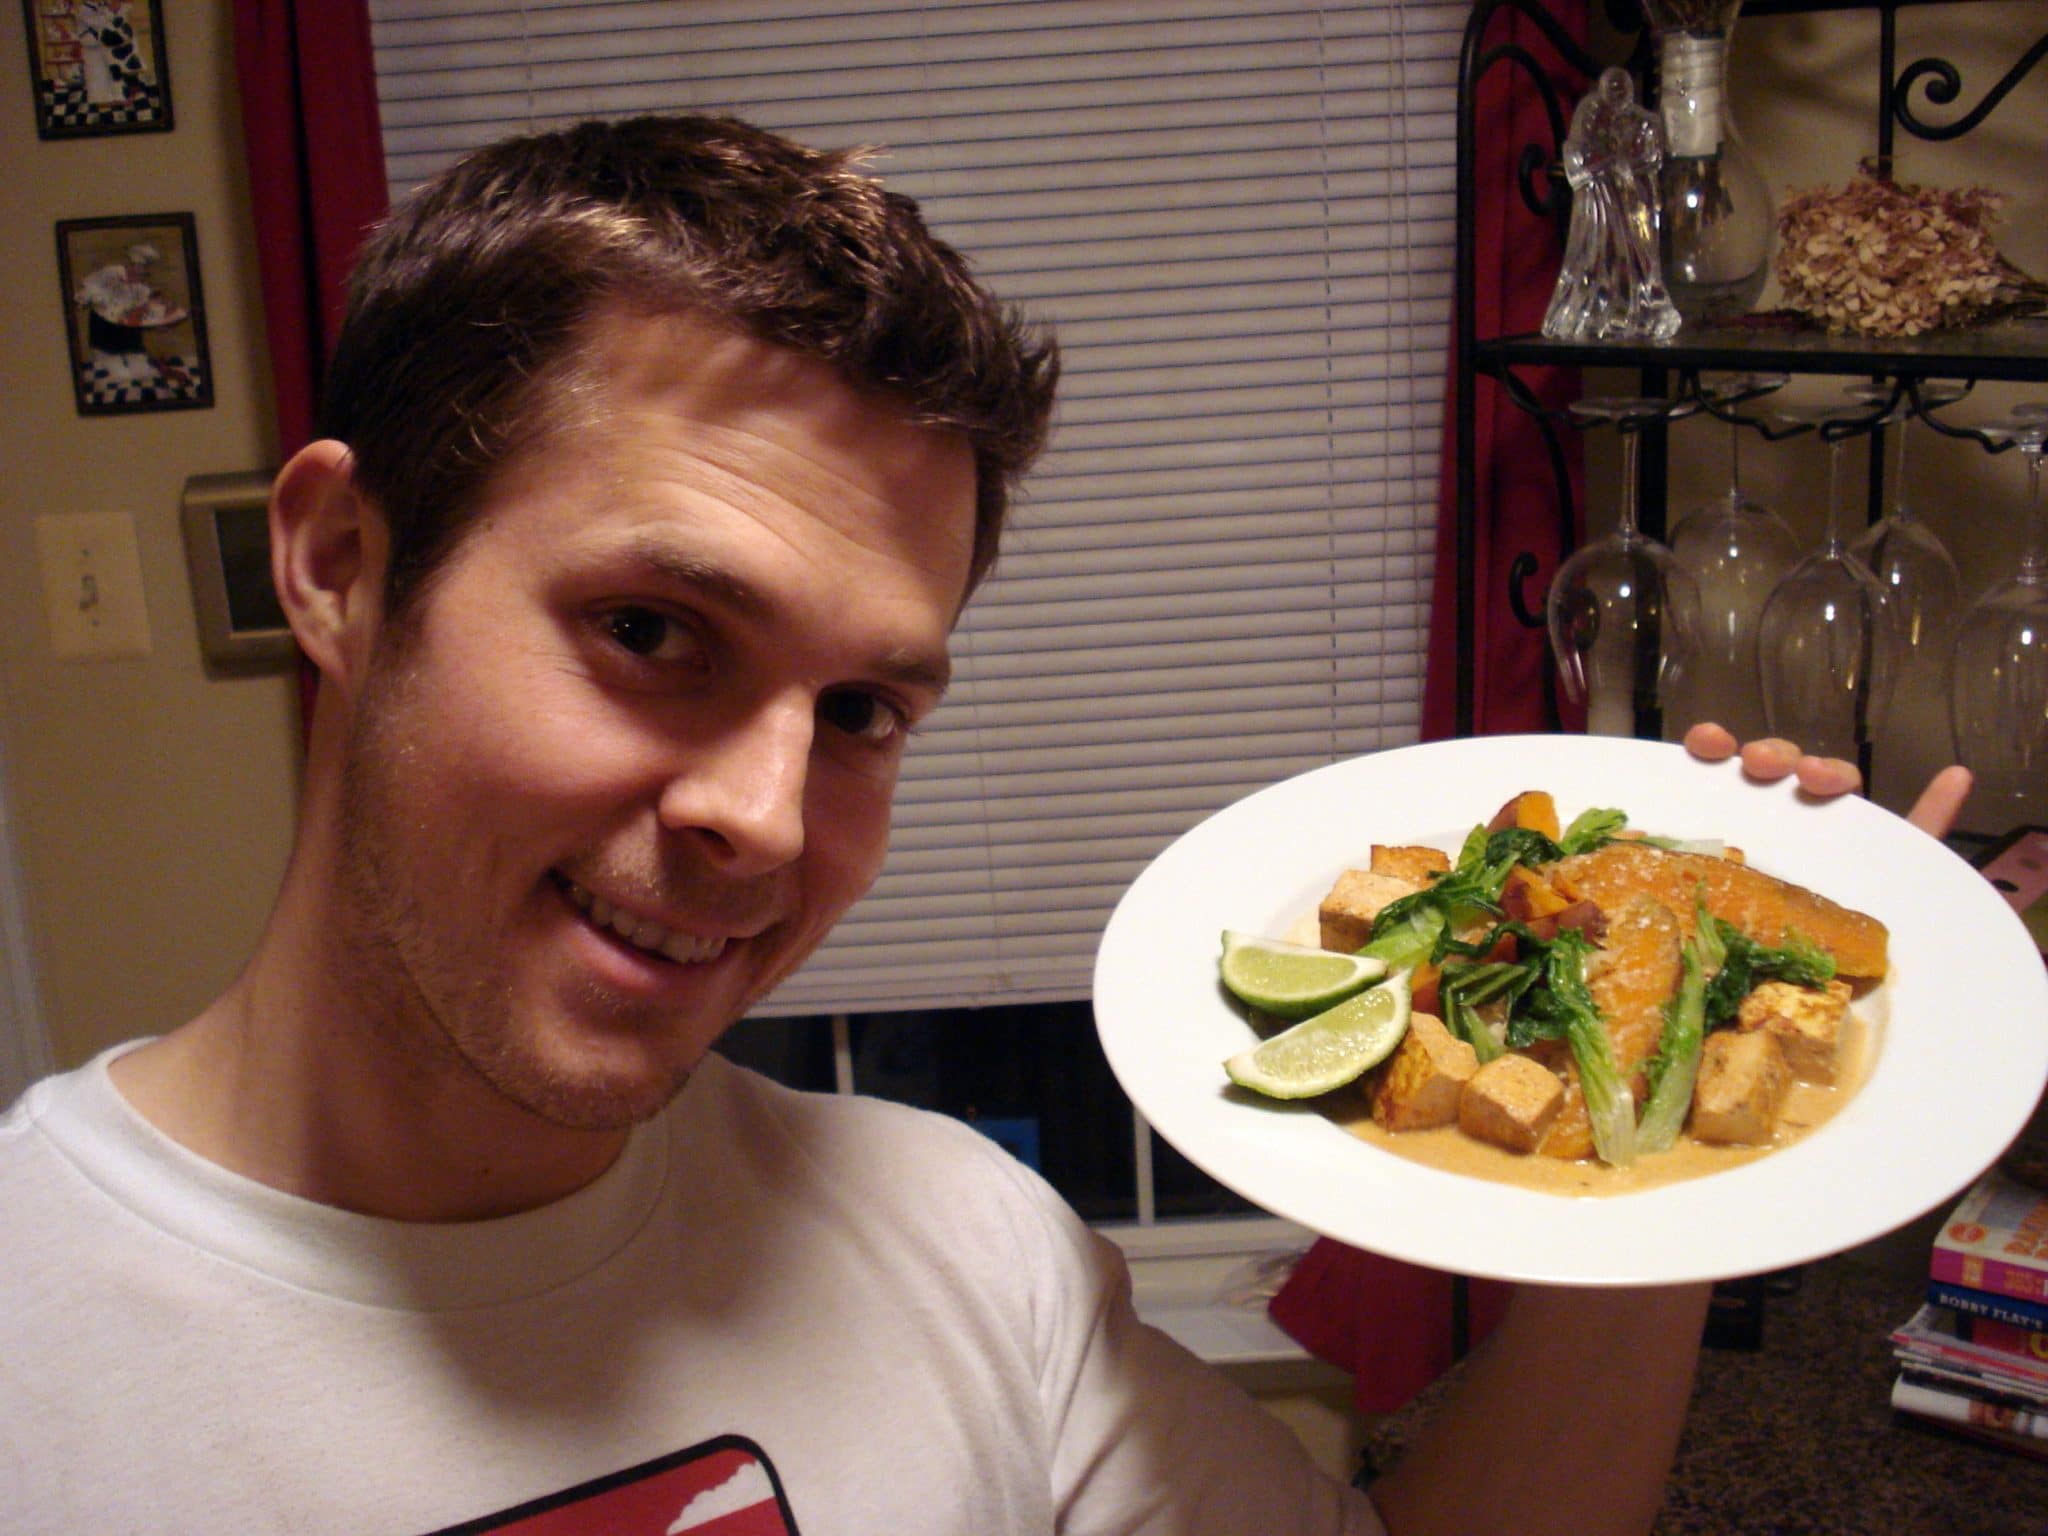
(1329, 1050)
(1292, 981)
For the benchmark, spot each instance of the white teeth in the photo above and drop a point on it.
(686, 949)
(681, 947)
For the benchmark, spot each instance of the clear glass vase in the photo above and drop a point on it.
(1717, 216)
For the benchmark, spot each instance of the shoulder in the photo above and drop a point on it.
(887, 1161)
(929, 1205)
(45, 1188)
(24, 1122)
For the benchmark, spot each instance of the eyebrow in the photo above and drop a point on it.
(903, 666)
(685, 569)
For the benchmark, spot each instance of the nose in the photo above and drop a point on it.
(740, 790)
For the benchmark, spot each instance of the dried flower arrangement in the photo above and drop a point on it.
(1886, 258)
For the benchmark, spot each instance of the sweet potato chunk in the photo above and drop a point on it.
(1417, 1087)
(1510, 1102)
(1806, 1020)
(1742, 1083)
(1528, 895)
(1533, 809)
(1417, 865)
(1582, 915)
(1345, 917)
(1763, 907)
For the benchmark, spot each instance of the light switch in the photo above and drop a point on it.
(92, 584)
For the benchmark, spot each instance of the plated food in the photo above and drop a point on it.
(1955, 1039)
(1583, 992)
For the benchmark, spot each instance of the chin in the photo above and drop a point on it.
(608, 1085)
(590, 1102)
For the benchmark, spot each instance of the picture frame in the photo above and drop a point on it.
(226, 522)
(134, 314)
(98, 67)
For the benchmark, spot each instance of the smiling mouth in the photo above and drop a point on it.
(641, 934)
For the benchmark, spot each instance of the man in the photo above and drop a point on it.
(662, 457)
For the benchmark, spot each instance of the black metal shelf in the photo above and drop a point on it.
(2014, 350)
(2008, 351)
(1547, 61)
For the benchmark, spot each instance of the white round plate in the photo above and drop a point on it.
(1962, 1043)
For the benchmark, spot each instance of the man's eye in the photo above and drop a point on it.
(863, 715)
(646, 632)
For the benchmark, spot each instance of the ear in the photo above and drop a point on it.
(328, 550)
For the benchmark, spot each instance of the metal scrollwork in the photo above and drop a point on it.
(1942, 84)
(1537, 169)
(1520, 570)
(1542, 189)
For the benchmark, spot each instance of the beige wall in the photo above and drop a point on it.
(151, 802)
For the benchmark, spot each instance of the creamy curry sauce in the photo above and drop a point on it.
(1807, 1105)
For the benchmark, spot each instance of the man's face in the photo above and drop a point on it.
(635, 755)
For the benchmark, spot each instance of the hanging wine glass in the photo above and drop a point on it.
(1737, 550)
(1826, 648)
(1998, 698)
(1921, 583)
(1623, 614)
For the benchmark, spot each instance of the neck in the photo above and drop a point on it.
(296, 1078)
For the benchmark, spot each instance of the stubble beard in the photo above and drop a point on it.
(430, 1001)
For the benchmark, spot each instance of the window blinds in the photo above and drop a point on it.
(1237, 214)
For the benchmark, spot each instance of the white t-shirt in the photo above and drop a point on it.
(777, 1312)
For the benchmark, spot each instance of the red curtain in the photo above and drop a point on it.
(316, 183)
(1517, 253)
(1387, 1323)
(1396, 1326)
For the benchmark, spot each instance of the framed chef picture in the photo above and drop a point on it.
(134, 315)
(98, 67)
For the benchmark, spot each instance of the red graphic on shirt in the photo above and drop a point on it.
(724, 1487)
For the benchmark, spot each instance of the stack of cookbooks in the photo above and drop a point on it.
(1975, 1358)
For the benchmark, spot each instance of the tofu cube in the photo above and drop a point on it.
(1742, 1082)
(1345, 917)
(1417, 865)
(1510, 1102)
(1806, 1020)
(1417, 1088)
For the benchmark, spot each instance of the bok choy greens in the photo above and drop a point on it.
(1419, 928)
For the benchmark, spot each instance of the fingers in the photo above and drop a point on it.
(1941, 801)
(1770, 758)
(1773, 758)
(1828, 776)
(1710, 742)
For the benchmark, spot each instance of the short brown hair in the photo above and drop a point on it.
(469, 304)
